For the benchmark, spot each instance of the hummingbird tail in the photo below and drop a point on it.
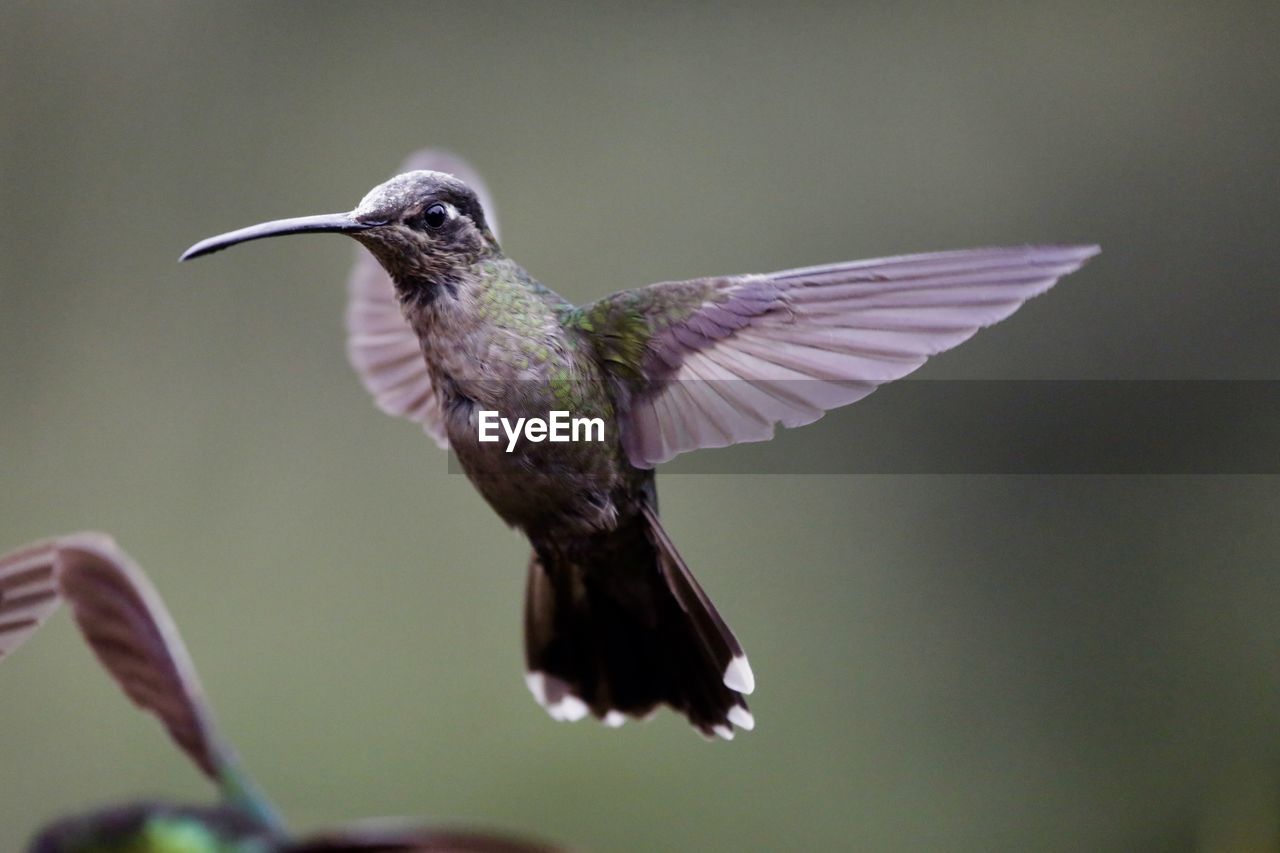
(616, 625)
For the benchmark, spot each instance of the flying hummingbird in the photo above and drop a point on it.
(445, 328)
(125, 622)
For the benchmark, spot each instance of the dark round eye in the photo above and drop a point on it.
(435, 215)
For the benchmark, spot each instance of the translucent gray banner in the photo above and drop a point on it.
(1009, 427)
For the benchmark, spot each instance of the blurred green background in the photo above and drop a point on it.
(944, 662)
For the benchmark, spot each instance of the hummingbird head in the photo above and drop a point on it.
(422, 226)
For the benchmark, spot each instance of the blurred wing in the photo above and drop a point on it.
(125, 622)
(382, 347)
(28, 592)
(717, 361)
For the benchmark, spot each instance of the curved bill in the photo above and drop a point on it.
(325, 223)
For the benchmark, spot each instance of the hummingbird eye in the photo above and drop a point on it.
(436, 215)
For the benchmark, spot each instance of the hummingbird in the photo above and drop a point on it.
(446, 329)
(126, 624)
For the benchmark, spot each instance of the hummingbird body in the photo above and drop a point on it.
(602, 629)
(444, 326)
(498, 342)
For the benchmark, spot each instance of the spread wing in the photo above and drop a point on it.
(125, 622)
(717, 361)
(28, 592)
(382, 347)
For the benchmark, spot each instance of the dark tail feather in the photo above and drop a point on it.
(617, 625)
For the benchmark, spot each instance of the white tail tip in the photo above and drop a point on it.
(738, 676)
(742, 718)
(567, 708)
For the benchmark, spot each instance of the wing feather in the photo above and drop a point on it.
(725, 359)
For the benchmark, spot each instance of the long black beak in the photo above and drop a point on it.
(326, 223)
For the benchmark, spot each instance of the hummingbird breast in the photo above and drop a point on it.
(499, 355)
